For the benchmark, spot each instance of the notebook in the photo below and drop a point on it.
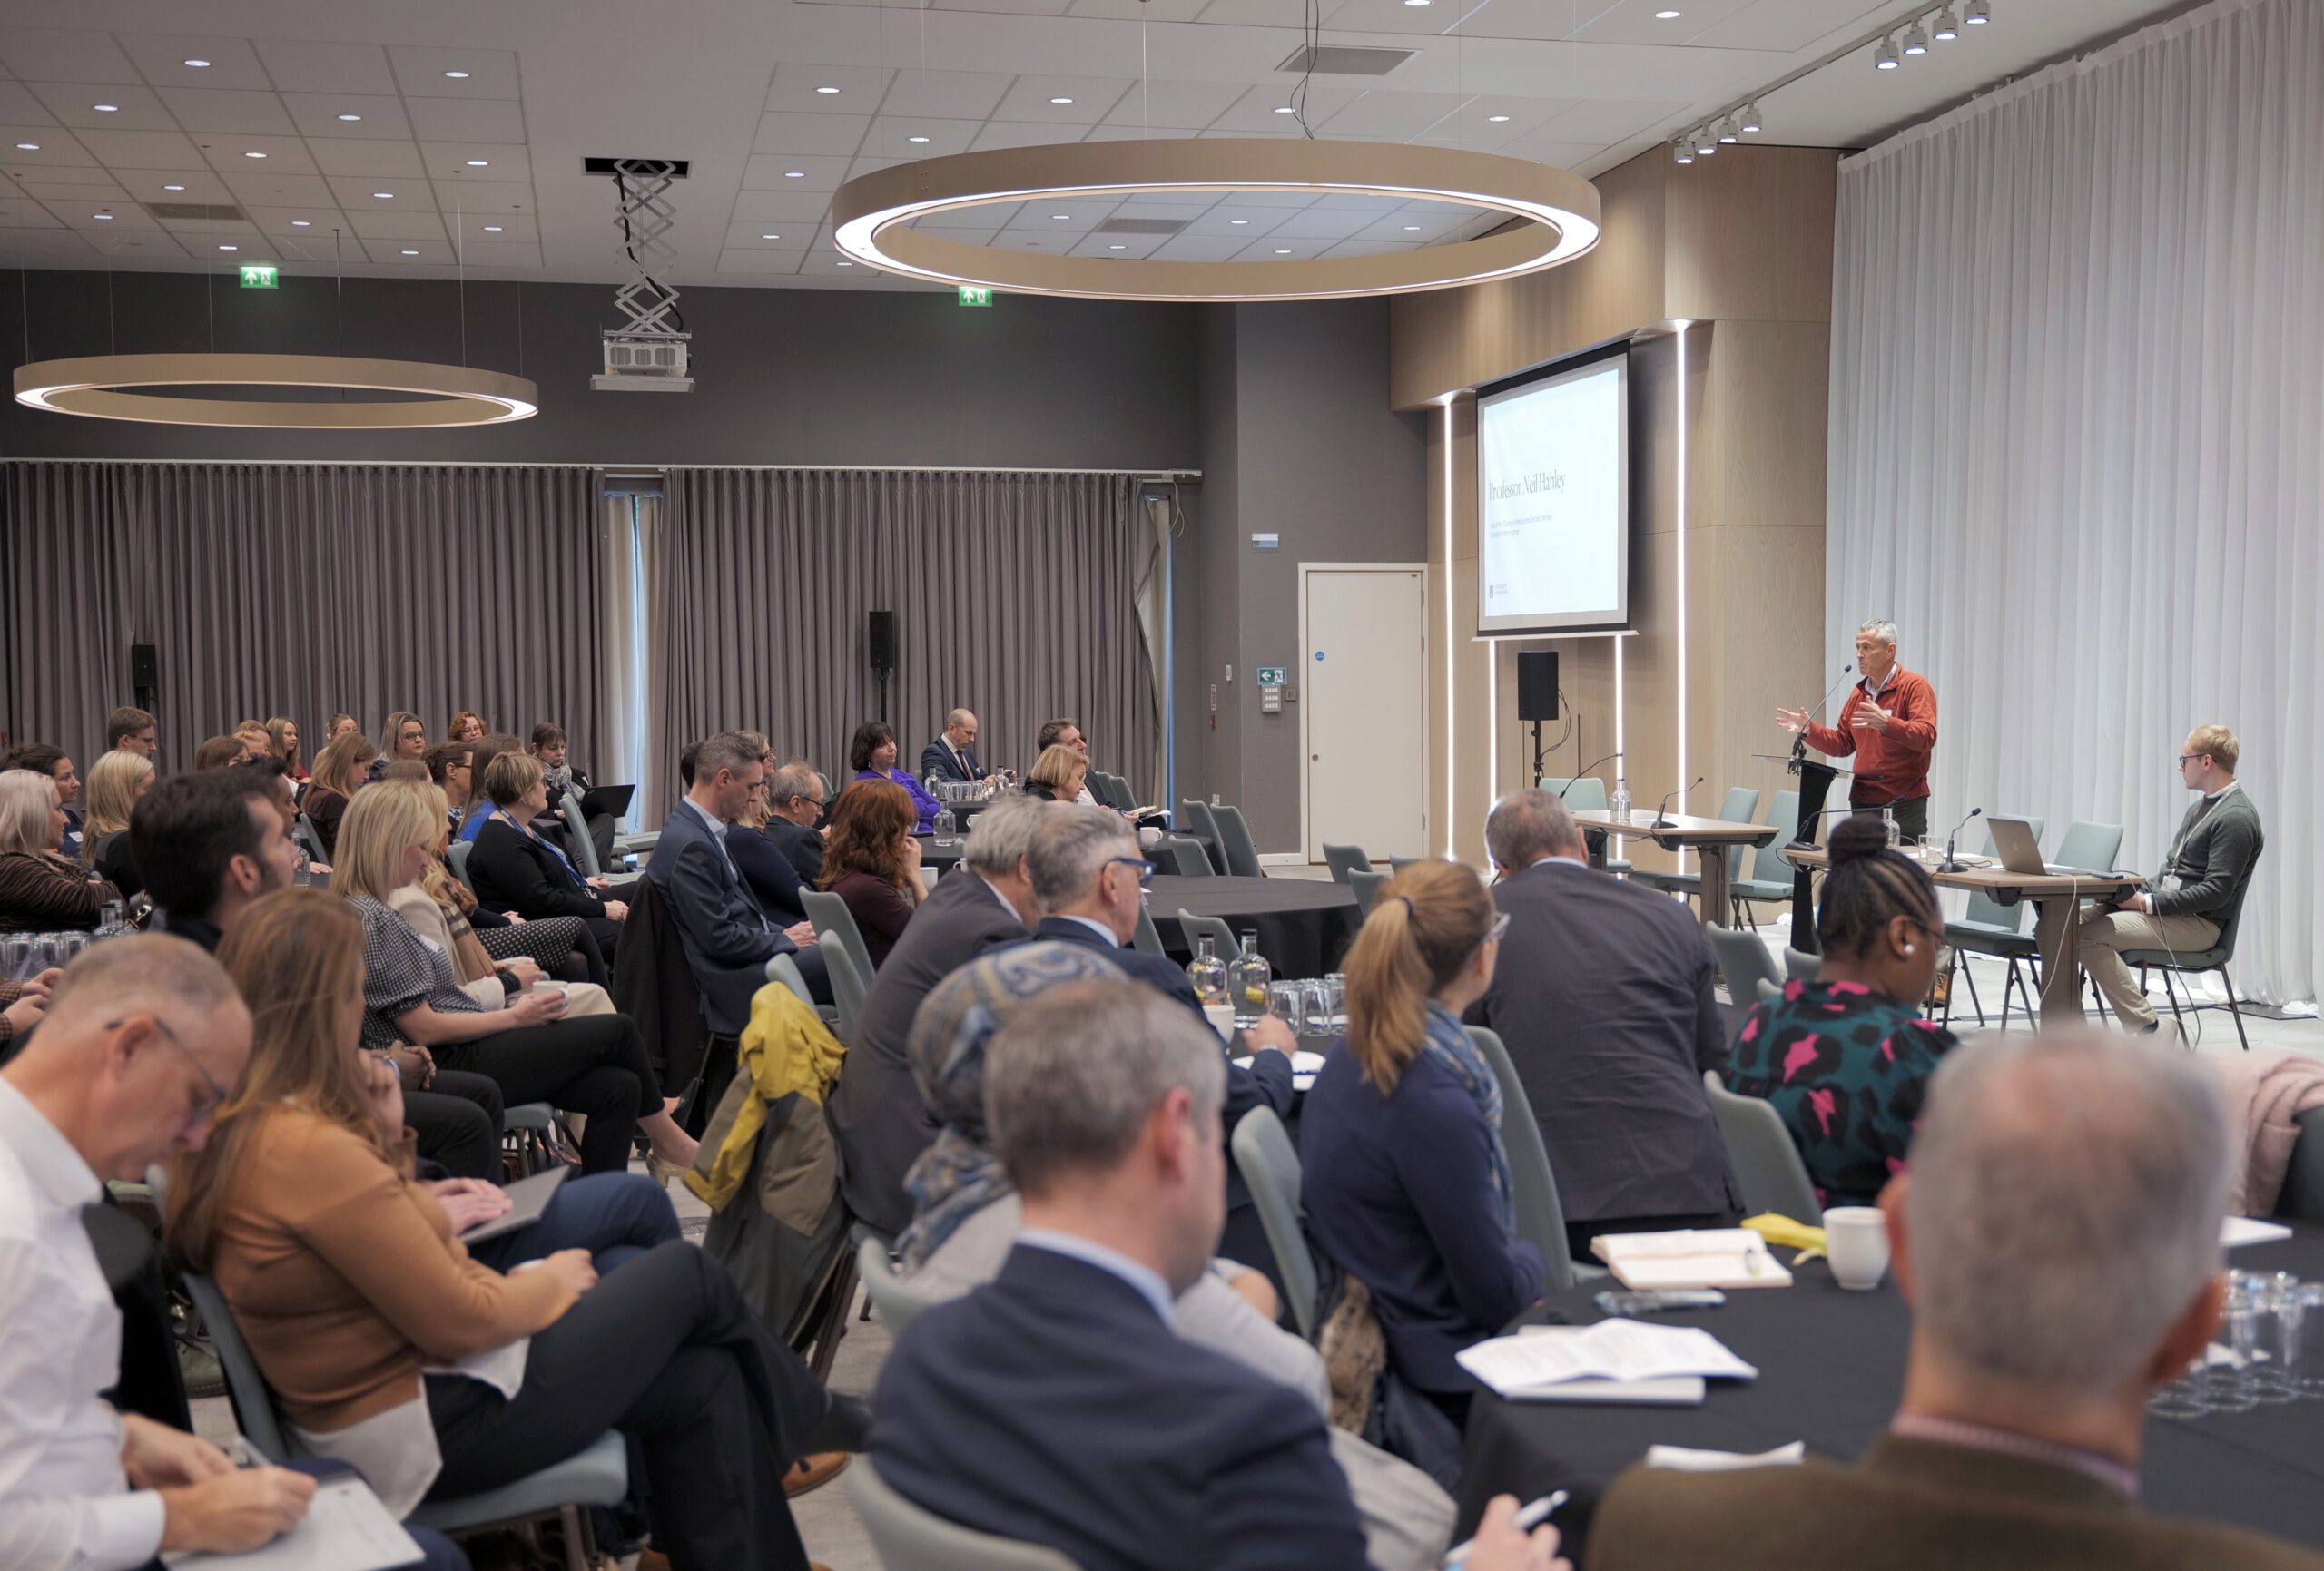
(527, 1198)
(346, 1529)
(1722, 1257)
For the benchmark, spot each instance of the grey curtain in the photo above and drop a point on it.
(1015, 595)
(300, 590)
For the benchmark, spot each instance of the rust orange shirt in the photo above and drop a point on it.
(1891, 766)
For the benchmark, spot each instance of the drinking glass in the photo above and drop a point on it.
(1315, 997)
(2185, 1398)
(2308, 1364)
(2229, 1387)
(1283, 1003)
(1336, 982)
(2280, 1314)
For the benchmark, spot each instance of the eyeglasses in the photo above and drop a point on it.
(216, 1096)
(2188, 757)
(1145, 868)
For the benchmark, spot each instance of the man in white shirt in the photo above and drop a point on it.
(143, 1038)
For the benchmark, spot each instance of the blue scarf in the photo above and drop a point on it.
(1453, 1048)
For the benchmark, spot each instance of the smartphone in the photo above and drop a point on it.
(1659, 1301)
(1527, 1519)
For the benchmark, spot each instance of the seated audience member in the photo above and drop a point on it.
(410, 770)
(1065, 731)
(221, 752)
(1060, 775)
(873, 863)
(593, 1066)
(1030, 1408)
(1604, 999)
(728, 938)
(2058, 1240)
(284, 731)
(131, 730)
(115, 783)
(1402, 1172)
(795, 800)
(954, 754)
(492, 746)
(341, 724)
(872, 756)
(466, 726)
(41, 888)
(773, 879)
(448, 768)
(876, 1112)
(402, 734)
(562, 947)
(344, 765)
(146, 1038)
(256, 737)
(2200, 887)
(211, 844)
(967, 1217)
(514, 870)
(390, 1347)
(44, 759)
(22, 1005)
(564, 781)
(1847, 1058)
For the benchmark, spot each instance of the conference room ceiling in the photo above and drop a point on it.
(426, 137)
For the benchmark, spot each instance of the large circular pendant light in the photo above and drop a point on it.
(872, 216)
(446, 395)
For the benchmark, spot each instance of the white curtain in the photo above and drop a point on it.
(2077, 438)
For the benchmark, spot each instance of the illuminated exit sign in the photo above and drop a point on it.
(975, 295)
(261, 276)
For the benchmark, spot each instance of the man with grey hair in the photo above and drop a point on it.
(877, 1113)
(795, 800)
(1033, 1408)
(954, 755)
(2058, 1238)
(1889, 724)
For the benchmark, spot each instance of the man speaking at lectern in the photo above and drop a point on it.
(1889, 724)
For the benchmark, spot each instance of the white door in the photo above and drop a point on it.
(1363, 672)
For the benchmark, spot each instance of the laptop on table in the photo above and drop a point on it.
(2021, 852)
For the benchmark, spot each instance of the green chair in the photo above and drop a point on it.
(1222, 937)
(1768, 1168)
(1743, 963)
(1587, 795)
(1270, 1169)
(1234, 840)
(1990, 928)
(1532, 1186)
(1741, 803)
(2192, 963)
(584, 850)
(1194, 819)
(909, 1537)
(899, 1302)
(1367, 886)
(456, 856)
(1769, 875)
(850, 988)
(1147, 937)
(1800, 966)
(1343, 860)
(1183, 854)
(835, 924)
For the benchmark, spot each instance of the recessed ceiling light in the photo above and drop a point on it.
(102, 217)
(794, 174)
(1412, 229)
(350, 118)
(1061, 101)
(1060, 215)
(384, 195)
(1287, 109)
(28, 147)
(1416, 2)
(1496, 119)
(411, 253)
(199, 64)
(229, 247)
(1666, 15)
(847, 264)
(302, 223)
(492, 228)
(253, 156)
(827, 89)
(915, 139)
(770, 237)
(457, 75)
(1117, 248)
(174, 188)
(478, 164)
(1238, 221)
(107, 108)
(1283, 251)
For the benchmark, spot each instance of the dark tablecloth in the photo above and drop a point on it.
(1831, 1367)
(1305, 925)
(940, 854)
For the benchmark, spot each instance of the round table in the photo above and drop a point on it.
(1305, 925)
(943, 853)
(1831, 1367)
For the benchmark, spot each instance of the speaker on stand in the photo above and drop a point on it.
(881, 638)
(1537, 695)
(145, 676)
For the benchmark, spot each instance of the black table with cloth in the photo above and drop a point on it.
(1831, 1368)
(1305, 925)
(941, 852)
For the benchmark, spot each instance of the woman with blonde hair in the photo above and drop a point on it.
(871, 861)
(41, 888)
(285, 732)
(391, 1347)
(1058, 775)
(1402, 1166)
(595, 1067)
(257, 737)
(115, 783)
(341, 768)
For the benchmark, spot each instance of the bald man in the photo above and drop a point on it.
(954, 755)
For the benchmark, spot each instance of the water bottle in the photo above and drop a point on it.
(945, 824)
(1619, 808)
(112, 920)
(1247, 981)
(1889, 825)
(1206, 971)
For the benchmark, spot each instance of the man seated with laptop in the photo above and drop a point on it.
(2200, 890)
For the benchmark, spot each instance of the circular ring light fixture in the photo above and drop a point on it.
(872, 216)
(451, 395)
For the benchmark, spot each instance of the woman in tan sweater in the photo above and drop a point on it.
(389, 1347)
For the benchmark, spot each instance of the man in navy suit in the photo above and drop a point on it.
(954, 755)
(1056, 1405)
(728, 936)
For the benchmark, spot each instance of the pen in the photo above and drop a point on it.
(1528, 1519)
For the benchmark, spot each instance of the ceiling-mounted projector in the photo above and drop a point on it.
(645, 363)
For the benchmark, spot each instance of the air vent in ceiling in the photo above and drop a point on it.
(225, 212)
(1140, 226)
(1342, 60)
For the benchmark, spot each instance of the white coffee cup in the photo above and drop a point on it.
(1856, 1241)
(1222, 1019)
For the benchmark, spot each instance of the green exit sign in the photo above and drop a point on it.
(261, 276)
(975, 295)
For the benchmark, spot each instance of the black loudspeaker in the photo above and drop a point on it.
(1536, 684)
(883, 641)
(144, 669)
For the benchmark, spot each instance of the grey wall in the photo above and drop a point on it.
(1298, 440)
(804, 376)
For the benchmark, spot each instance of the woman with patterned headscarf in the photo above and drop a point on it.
(967, 1215)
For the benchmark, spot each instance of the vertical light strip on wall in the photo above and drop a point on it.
(1621, 764)
(1492, 726)
(1450, 641)
(1679, 383)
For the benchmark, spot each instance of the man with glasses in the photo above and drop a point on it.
(144, 1037)
(1603, 995)
(2200, 890)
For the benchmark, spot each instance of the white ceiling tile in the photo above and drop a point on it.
(141, 245)
(317, 114)
(1634, 21)
(511, 227)
(1390, 116)
(1190, 105)
(468, 120)
(1360, 203)
(58, 54)
(1007, 7)
(890, 136)
(320, 220)
(770, 171)
(800, 206)
(1394, 16)
(1127, 247)
(1257, 221)
(1556, 154)
(387, 251)
(796, 131)
(217, 228)
(39, 181)
(57, 148)
(1286, 14)
(19, 107)
(754, 237)
(1413, 228)
(502, 160)
(23, 212)
(1004, 133)
(945, 95)
(82, 214)
(1472, 123)
(303, 67)
(969, 228)
(1317, 224)
(233, 110)
(1028, 99)
(1367, 247)
(1279, 247)
(767, 260)
(140, 149)
(200, 184)
(491, 72)
(1605, 121)
(1034, 240)
(229, 155)
(477, 197)
(422, 224)
(160, 58)
(1254, 114)
(256, 190)
(794, 89)
(388, 160)
(1200, 248)
(360, 194)
(1139, 10)
(498, 253)
(1786, 25)
(75, 103)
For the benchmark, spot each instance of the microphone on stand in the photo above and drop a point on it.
(1799, 742)
(1952, 863)
(1582, 773)
(1661, 814)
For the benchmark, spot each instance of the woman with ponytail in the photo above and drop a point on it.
(1845, 1058)
(1403, 1173)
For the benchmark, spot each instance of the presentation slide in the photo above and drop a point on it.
(1554, 492)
